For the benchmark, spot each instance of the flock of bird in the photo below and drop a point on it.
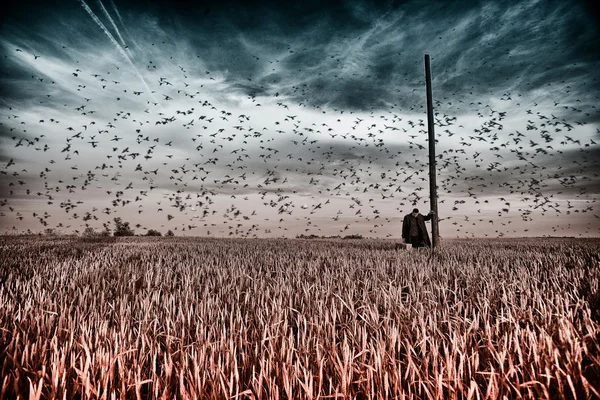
(307, 169)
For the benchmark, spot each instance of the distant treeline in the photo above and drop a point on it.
(122, 228)
(313, 236)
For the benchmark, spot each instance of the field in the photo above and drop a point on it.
(303, 319)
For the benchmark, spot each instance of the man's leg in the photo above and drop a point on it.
(414, 240)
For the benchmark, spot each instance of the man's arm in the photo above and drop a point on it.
(428, 216)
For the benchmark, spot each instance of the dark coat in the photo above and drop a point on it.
(424, 236)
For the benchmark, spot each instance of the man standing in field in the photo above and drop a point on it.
(414, 230)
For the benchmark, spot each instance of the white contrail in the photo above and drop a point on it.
(113, 40)
(115, 28)
(117, 12)
(114, 6)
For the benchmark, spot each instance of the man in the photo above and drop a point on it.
(414, 230)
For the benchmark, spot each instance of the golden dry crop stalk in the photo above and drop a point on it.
(212, 318)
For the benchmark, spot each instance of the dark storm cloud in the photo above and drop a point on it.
(577, 164)
(5, 144)
(571, 172)
(5, 157)
(360, 55)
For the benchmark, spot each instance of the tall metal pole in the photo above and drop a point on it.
(432, 180)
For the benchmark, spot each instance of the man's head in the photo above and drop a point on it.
(415, 212)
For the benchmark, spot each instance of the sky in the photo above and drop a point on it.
(275, 119)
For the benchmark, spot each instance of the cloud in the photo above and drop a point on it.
(320, 101)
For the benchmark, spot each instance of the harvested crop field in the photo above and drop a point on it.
(303, 319)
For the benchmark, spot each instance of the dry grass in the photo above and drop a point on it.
(267, 319)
